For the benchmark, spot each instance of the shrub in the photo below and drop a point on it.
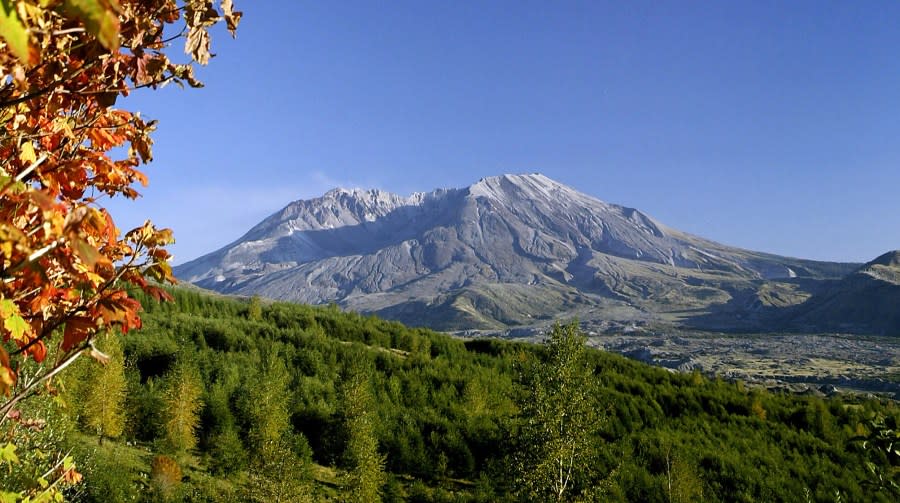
(165, 476)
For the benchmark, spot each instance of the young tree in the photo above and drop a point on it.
(225, 447)
(165, 477)
(182, 405)
(254, 308)
(278, 472)
(559, 419)
(64, 265)
(103, 391)
(683, 484)
(365, 477)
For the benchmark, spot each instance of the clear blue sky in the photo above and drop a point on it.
(773, 126)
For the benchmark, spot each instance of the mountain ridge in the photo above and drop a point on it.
(453, 250)
(866, 300)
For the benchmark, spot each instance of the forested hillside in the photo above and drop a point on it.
(228, 400)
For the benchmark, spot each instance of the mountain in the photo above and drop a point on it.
(867, 301)
(506, 251)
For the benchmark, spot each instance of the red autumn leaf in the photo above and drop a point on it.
(159, 294)
(111, 231)
(132, 318)
(38, 351)
(43, 300)
(44, 201)
(140, 177)
(139, 281)
(101, 139)
(118, 308)
(78, 329)
(72, 477)
(7, 375)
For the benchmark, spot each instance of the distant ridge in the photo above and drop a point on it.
(889, 259)
(508, 250)
(866, 301)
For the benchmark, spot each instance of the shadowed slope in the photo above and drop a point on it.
(867, 301)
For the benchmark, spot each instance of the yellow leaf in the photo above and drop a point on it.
(7, 379)
(8, 454)
(16, 34)
(87, 253)
(17, 327)
(26, 153)
(8, 308)
(13, 322)
(63, 124)
(94, 278)
(197, 44)
(7, 114)
(99, 17)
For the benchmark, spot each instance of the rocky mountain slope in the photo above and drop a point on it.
(505, 251)
(868, 300)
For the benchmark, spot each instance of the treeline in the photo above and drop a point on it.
(243, 400)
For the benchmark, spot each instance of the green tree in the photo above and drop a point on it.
(254, 310)
(227, 451)
(103, 391)
(280, 470)
(683, 484)
(182, 402)
(558, 419)
(268, 405)
(365, 477)
(39, 462)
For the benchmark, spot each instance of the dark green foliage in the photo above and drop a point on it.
(882, 447)
(143, 405)
(279, 458)
(446, 413)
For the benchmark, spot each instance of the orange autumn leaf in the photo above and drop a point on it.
(159, 294)
(7, 375)
(38, 351)
(77, 330)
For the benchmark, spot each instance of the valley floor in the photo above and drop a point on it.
(799, 363)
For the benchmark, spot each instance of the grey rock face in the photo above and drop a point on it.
(505, 251)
